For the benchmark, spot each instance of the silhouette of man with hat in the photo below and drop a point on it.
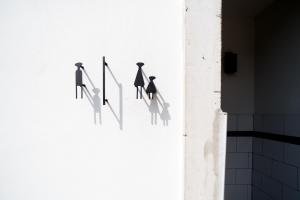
(78, 78)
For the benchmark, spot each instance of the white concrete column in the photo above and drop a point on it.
(205, 122)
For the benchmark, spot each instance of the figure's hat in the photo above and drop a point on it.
(79, 64)
(152, 78)
(140, 64)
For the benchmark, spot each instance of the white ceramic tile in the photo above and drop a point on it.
(258, 123)
(292, 125)
(256, 178)
(250, 160)
(290, 194)
(258, 194)
(243, 176)
(236, 192)
(257, 145)
(273, 124)
(272, 187)
(249, 191)
(285, 173)
(273, 149)
(244, 144)
(245, 123)
(237, 160)
(231, 144)
(292, 154)
(262, 164)
(232, 122)
(230, 176)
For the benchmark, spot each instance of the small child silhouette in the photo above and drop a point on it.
(151, 89)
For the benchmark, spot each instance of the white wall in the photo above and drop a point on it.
(277, 59)
(277, 68)
(238, 89)
(50, 147)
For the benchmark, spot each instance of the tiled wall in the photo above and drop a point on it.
(274, 166)
(285, 124)
(276, 170)
(240, 122)
(278, 124)
(238, 178)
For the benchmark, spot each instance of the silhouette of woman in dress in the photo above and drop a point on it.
(139, 80)
(151, 89)
(165, 115)
(154, 109)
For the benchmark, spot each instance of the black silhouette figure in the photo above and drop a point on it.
(151, 89)
(96, 105)
(78, 78)
(165, 115)
(139, 80)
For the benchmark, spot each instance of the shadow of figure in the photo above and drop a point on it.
(119, 116)
(157, 101)
(165, 115)
(154, 109)
(97, 105)
(94, 99)
(95, 102)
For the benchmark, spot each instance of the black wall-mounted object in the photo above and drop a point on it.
(151, 88)
(230, 62)
(78, 78)
(104, 65)
(139, 80)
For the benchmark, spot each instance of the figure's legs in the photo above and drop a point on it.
(100, 119)
(155, 116)
(141, 90)
(76, 90)
(152, 118)
(167, 122)
(137, 92)
(81, 92)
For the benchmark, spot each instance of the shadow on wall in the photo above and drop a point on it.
(157, 106)
(94, 99)
(118, 116)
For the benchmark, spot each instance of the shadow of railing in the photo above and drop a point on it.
(118, 116)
